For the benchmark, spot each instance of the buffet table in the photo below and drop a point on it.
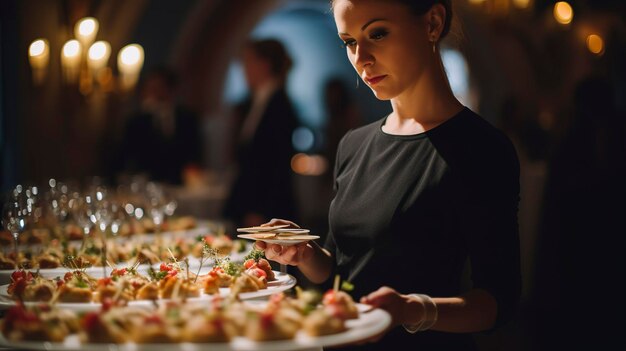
(257, 310)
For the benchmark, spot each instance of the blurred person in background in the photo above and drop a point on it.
(580, 266)
(264, 124)
(342, 113)
(163, 138)
(419, 193)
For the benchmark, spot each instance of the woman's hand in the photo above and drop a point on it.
(313, 261)
(292, 255)
(402, 308)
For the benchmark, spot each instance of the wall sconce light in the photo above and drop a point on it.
(38, 57)
(82, 60)
(129, 62)
(86, 30)
(70, 60)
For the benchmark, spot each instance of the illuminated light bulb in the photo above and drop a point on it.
(563, 12)
(99, 50)
(86, 30)
(38, 57)
(38, 48)
(595, 44)
(71, 49)
(98, 55)
(130, 58)
(70, 60)
(129, 62)
(299, 163)
(309, 165)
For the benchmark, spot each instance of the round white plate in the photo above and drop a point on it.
(293, 230)
(262, 229)
(368, 324)
(283, 282)
(97, 272)
(50, 273)
(280, 240)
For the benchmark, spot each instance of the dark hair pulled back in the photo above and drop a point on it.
(420, 7)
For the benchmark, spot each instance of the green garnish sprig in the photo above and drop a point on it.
(207, 253)
(230, 268)
(254, 254)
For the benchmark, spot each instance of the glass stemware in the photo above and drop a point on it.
(118, 218)
(57, 206)
(103, 216)
(83, 212)
(156, 206)
(14, 217)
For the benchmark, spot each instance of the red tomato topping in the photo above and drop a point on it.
(68, 276)
(260, 273)
(119, 272)
(249, 263)
(330, 297)
(19, 286)
(218, 324)
(153, 319)
(91, 322)
(267, 319)
(20, 314)
(105, 281)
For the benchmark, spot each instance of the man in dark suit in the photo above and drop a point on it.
(266, 121)
(163, 137)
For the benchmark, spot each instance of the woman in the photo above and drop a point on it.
(266, 121)
(420, 192)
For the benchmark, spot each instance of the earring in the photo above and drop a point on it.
(434, 46)
(357, 81)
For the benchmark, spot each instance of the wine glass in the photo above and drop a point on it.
(170, 207)
(83, 212)
(156, 205)
(103, 216)
(15, 216)
(34, 206)
(57, 206)
(118, 217)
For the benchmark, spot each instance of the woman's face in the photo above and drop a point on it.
(387, 45)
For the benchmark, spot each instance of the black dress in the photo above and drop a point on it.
(410, 211)
(264, 184)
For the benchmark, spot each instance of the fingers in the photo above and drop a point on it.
(297, 254)
(379, 297)
(291, 255)
(390, 300)
(260, 245)
(272, 251)
(305, 252)
(275, 253)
